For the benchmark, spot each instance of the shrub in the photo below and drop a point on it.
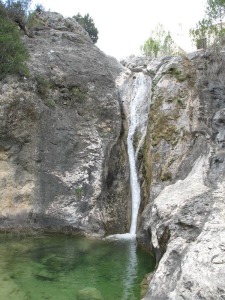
(13, 53)
(18, 11)
(78, 94)
(43, 86)
(78, 191)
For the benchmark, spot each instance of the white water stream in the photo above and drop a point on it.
(140, 98)
(136, 97)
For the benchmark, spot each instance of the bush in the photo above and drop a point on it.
(18, 10)
(43, 86)
(13, 53)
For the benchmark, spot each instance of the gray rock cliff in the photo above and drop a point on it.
(63, 164)
(182, 173)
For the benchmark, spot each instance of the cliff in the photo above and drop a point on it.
(60, 136)
(182, 171)
(64, 163)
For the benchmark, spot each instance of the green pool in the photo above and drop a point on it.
(68, 268)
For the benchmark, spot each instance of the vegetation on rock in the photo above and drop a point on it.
(88, 24)
(13, 53)
(18, 12)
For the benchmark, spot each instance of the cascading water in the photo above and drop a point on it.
(135, 93)
(140, 98)
(136, 97)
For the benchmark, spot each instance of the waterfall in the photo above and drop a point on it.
(135, 93)
(134, 184)
(138, 117)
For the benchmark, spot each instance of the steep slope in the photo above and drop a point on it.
(61, 136)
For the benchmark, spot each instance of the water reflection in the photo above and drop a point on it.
(131, 271)
(131, 265)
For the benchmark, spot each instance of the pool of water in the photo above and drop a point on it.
(60, 267)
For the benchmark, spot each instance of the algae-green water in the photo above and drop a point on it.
(58, 267)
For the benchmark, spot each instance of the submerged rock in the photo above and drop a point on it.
(89, 293)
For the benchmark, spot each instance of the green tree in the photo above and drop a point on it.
(211, 26)
(151, 47)
(215, 11)
(88, 24)
(159, 43)
(13, 53)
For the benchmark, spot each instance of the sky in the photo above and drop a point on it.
(124, 25)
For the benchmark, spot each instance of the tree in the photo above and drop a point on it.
(151, 47)
(159, 43)
(88, 24)
(212, 26)
(215, 12)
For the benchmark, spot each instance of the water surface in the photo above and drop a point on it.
(57, 267)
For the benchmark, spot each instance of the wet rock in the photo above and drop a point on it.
(89, 293)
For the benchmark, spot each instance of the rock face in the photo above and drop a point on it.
(64, 164)
(62, 155)
(182, 173)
